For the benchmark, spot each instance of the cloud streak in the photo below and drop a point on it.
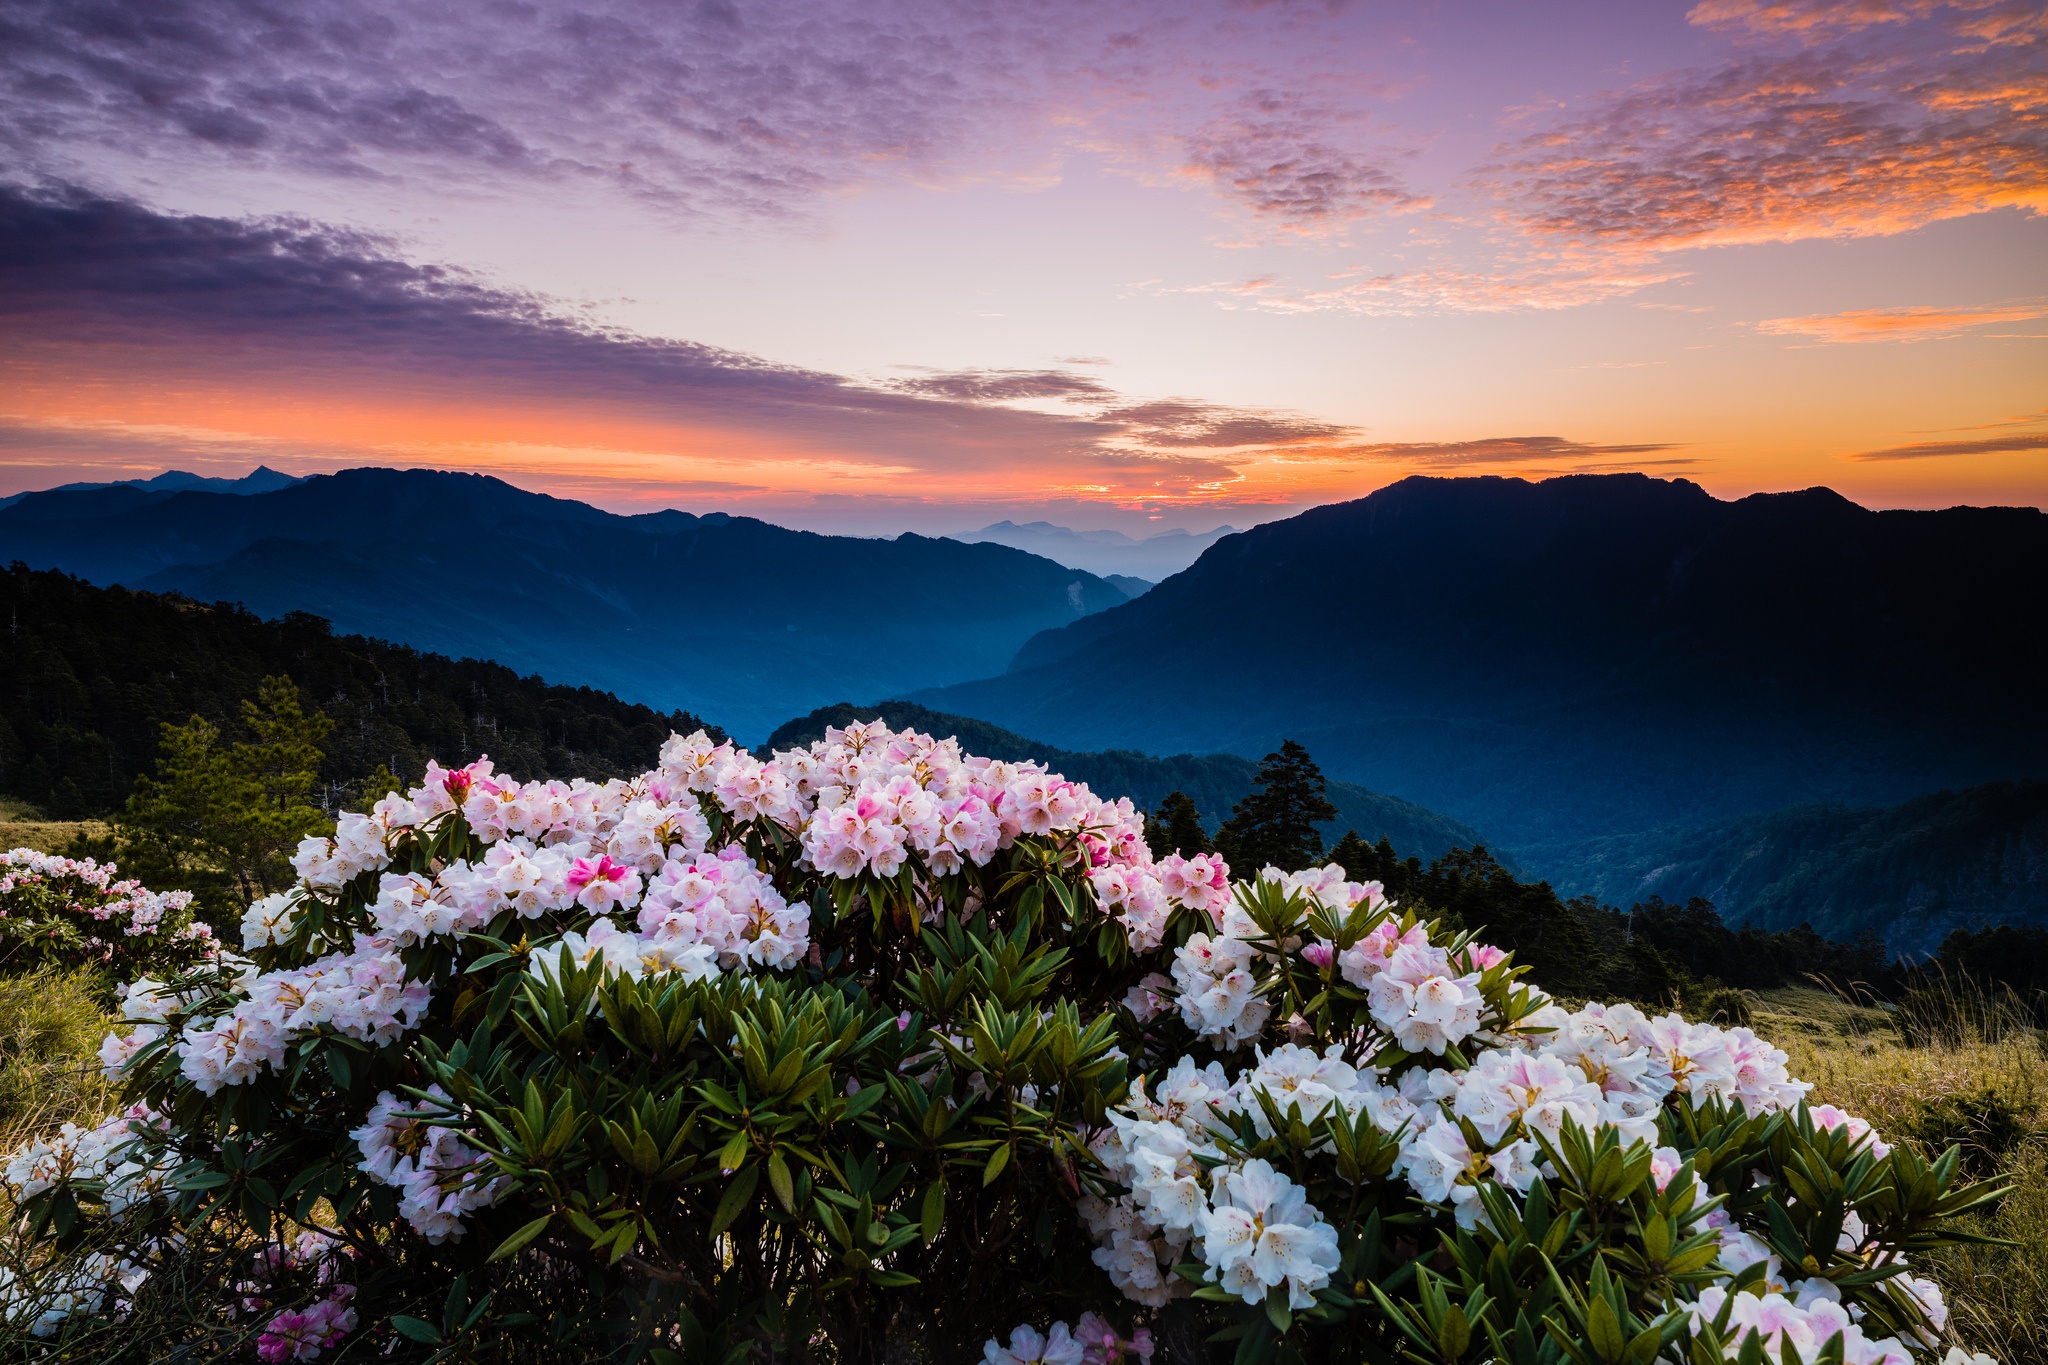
(1987, 445)
(1899, 324)
(763, 110)
(1520, 450)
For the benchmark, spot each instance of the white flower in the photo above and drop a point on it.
(268, 920)
(1261, 1232)
(1027, 1347)
(1218, 993)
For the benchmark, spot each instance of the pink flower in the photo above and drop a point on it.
(1319, 954)
(302, 1334)
(1484, 956)
(601, 885)
(1101, 1345)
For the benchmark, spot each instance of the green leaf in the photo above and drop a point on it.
(737, 1196)
(779, 1181)
(521, 1238)
(933, 1215)
(416, 1329)
(995, 1165)
(734, 1153)
(1604, 1330)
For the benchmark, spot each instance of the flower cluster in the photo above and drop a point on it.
(302, 1333)
(1273, 1053)
(82, 913)
(362, 994)
(439, 1176)
(90, 1286)
(111, 1155)
(1091, 1341)
(1804, 1322)
(1249, 1224)
(1182, 1191)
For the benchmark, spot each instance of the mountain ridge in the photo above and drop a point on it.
(728, 617)
(1913, 872)
(1588, 655)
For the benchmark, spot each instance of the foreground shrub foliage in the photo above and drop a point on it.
(875, 1050)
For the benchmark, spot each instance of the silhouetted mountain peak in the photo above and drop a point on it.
(1580, 654)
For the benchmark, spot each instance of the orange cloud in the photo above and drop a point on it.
(1898, 324)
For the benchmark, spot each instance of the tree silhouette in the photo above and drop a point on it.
(1176, 827)
(1276, 821)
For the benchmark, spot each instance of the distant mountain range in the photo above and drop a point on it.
(1111, 554)
(1912, 872)
(1216, 782)
(1581, 657)
(732, 618)
(262, 479)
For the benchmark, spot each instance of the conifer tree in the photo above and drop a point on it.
(1176, 827)
(1276, 821)
(220, 820)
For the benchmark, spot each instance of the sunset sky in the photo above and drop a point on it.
(890, 266)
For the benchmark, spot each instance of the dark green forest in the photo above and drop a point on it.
(90, 676)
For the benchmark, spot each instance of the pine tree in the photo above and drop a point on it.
(222, 821)
(1176, 827)
(1276, 821)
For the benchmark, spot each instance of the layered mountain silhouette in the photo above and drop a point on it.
(261, 479)
(732, 618)
(1585, 656)
(1109, 553)
(1215, 782)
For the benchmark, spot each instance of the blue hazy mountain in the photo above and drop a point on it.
(1216, 782)
(1109, 553)
(261, 479)
(1584, 656)
(729, 617)
(1912, 872)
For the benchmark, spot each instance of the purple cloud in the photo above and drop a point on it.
(705, 107)
(1987, 445)
(1831, 119)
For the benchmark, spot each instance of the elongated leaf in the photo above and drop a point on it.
(737, 1196)
(522, 1237)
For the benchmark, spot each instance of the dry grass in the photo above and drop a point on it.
(51, 1023)
(1990, 1098)
(24, 826)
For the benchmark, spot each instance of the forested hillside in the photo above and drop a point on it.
(721, 615)
(90, 675)
(1910, 872)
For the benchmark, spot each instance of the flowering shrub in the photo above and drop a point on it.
(877, 1048)
(77, 913)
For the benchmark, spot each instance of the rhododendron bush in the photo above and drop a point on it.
(877, 1050)
(79, 913)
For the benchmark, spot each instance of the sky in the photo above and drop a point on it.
(1120, 263)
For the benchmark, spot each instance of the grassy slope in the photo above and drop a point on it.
(24, 826)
